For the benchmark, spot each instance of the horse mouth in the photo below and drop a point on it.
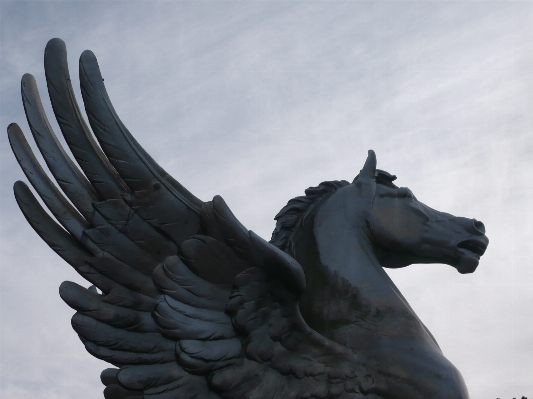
(475, 247)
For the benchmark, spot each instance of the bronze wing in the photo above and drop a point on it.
(189, 303)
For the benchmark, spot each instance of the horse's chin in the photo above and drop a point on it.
(469, 253)
(468, 261)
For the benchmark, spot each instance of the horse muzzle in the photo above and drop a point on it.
(470, 250)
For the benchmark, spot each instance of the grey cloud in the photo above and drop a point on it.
(256, 101)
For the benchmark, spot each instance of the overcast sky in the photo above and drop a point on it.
(257, 101)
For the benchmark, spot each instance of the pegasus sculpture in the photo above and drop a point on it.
(187, 303)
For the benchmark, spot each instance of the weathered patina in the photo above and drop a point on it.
(187, 303)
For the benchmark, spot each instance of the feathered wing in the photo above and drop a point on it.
(120, 216)
(258, 346)
(191, 305)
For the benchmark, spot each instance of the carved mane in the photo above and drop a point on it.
(290, 216)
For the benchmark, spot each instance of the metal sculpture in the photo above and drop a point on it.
(190, 304)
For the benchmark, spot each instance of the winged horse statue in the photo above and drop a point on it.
(187, 303)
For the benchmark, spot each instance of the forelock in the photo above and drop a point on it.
(290, 216)
(288, 219)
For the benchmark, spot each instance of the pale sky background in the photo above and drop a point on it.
(257, 101)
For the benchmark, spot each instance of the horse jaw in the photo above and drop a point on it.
(405, 231)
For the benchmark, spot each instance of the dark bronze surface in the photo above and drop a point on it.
(187, 303)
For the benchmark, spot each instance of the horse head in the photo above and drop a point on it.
(343, 234)
(404, 231)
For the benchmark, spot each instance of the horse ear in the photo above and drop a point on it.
(369, 169)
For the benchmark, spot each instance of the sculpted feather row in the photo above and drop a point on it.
(191, 304)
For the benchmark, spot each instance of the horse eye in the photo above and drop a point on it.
(404, 192)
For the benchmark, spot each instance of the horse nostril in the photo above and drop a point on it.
(479, 226)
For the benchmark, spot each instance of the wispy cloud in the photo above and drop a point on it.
(257, 101)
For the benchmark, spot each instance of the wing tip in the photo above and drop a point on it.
(54, 43)
(88, 57)
(12, 127)
(14, 134)
(20, 188)
(109, 376)
(27, 78)
(55, 58)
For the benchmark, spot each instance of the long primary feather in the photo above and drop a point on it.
(73, 183)
(158, 198)
(88, 154)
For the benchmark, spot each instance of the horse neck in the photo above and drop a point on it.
(348, 293)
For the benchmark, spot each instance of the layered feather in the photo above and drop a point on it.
(191, 304)
(113, 229)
